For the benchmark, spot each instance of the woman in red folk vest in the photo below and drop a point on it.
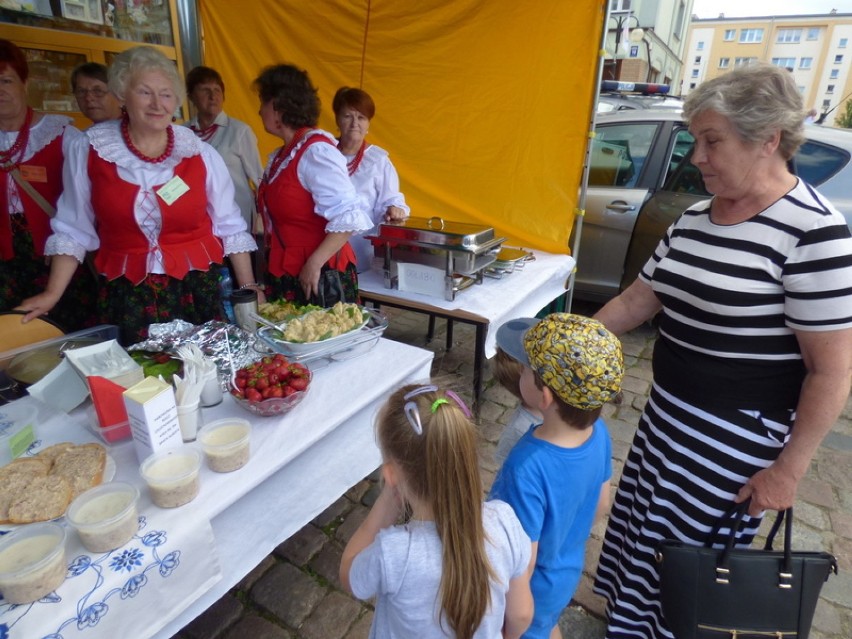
(155, 202)
(32, 150)
(309, 205)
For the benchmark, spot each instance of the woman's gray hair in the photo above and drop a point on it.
(133, 61)
(758, 100)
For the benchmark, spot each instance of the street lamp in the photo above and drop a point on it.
(622, 21)
(637, 36)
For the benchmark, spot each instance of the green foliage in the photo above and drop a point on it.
(844, 120)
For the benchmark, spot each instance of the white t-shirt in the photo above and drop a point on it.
(402, 570)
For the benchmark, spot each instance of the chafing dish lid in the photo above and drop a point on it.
(435, 230)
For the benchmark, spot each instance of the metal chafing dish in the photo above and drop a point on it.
(461, 251)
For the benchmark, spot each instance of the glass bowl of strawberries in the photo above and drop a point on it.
(271, 386)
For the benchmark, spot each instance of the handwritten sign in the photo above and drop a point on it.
(417, 278)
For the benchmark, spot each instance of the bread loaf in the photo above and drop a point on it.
(46, 497)
(40, 488)
(82, 466)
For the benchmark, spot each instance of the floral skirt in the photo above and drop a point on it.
(26, 274)
(159, 298)
(287, 287)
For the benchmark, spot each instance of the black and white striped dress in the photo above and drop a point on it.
(727, 375)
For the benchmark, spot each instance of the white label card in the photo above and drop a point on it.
(172, 190)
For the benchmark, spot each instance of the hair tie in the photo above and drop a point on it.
(438, 402)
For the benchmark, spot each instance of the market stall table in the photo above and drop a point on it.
(183, 560)
(488, 305)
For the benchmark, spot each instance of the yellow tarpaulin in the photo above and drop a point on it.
(483, 105)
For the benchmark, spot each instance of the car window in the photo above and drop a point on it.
(686, 178)
(681, 147)
(816, 162)
(619, 152)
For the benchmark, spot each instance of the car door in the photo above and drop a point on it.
(819, 164)
(683, 188)
(622, 168)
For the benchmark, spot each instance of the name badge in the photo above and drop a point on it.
(172, 190)
(33, 173)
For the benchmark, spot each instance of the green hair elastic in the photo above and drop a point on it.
(438, 402)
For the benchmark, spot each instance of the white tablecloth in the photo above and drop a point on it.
(301, 463)
(522, 293)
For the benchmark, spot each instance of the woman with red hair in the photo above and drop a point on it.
(33, 147)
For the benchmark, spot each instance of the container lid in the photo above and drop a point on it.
(438, 231)
(243, 295)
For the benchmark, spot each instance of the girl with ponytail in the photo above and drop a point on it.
(457, 567)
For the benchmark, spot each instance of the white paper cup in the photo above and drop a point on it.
(189, 419)
(211, 392)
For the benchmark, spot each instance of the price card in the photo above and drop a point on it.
(417, 278)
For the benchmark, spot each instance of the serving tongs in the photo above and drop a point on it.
(262, 320)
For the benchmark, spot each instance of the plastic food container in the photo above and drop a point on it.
(226, 444)
(172, 476)
(32, 562)
(17, 430)
(105, 517)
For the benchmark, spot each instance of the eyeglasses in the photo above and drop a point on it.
(413, 414)
(95, 93)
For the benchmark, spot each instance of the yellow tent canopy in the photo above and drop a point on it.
(483, 105)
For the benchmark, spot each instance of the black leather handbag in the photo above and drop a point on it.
(728, 593)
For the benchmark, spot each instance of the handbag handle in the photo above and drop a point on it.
(738, 511)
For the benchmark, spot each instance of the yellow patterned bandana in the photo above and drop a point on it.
(577, 358)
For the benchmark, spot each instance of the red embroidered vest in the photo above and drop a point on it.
(291, 209)
(49, 159)
(186, 236)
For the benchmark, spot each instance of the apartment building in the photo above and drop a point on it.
(646, 40)
(817, 49)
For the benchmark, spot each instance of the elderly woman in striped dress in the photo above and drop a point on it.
(752, 364)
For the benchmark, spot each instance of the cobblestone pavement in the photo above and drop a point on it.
(295, 593)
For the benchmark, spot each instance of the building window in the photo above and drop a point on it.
(787, 63)
(813, 33)
(700, 45)
(842, 43)
(730, 34)
(826, 104)
(679, 23)
(751, 36)
(838, 59)
(695, 73)
(698, 59)
(724, 63)
(829, 88)
(619, 5)
(805, 63)
(789, 36)
(744, 62)
(835, 73)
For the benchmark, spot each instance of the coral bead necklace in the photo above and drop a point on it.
(8, 159)
(170, 144)
(285, 152)
(353, 164)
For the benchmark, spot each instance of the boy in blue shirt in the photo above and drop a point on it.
(557, 476)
